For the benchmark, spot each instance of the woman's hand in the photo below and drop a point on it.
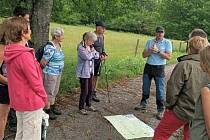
(43, 63)
(3, 79)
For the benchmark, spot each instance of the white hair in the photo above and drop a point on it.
(90, 36)
(57, 32)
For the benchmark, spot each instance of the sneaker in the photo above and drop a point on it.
(55, 110)
(91, 108)
(159, 115)
(94, 98)
(140, 107)
(83, 112)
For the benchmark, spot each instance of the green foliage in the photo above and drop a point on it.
(122, 15)
(181, 16)
(139, 16)
(7, 6)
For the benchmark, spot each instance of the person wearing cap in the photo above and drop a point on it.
(53, 63)
(183, 89)
(157, 51)
(99, 47)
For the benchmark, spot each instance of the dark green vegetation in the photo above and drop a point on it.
(139, 16)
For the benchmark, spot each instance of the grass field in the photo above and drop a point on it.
(120, 47)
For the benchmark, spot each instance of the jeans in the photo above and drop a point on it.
(160, 90)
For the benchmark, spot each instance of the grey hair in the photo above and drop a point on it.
(57, 32)
(89, 36)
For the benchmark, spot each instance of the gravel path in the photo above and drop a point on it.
(125, 95)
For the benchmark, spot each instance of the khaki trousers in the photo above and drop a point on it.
(51, 85)
(29, 125)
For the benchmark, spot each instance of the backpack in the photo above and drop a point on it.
(40, 51)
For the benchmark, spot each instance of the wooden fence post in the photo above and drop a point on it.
(137, 45)
(172, 43)
(180, 45)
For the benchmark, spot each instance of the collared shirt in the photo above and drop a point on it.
(163, 45)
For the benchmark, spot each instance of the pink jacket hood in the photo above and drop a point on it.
(12, 51)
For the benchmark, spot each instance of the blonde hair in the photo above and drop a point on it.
(205, 56)
(14, 27)
(197, 43)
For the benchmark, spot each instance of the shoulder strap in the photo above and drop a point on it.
(1, 72)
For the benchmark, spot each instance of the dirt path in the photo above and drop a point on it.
(124, 97)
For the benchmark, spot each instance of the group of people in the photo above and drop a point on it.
(187, 91)
(91, 53)
(23, 86)
(28, 86)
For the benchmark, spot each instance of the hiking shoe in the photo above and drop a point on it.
(140, 107)
(51, 114)
(83, 112)
(91, 108)
(94, 98)
(159, 115)
(55, 110)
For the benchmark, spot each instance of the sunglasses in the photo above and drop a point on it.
(160, 32)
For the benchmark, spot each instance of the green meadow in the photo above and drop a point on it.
(120, 47)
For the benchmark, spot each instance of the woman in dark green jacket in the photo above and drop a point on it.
(200, 126)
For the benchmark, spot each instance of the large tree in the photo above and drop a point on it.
(40, 22)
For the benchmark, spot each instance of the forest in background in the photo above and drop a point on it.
(138, 16)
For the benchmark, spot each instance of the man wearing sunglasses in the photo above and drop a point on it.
(157, 51)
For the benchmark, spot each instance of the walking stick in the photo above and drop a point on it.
(107, 84)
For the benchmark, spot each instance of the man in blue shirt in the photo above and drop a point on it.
(157, 51)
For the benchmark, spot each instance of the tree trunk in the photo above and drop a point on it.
(40, 22)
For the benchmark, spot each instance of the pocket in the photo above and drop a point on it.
(51, 77)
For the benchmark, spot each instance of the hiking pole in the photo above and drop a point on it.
(107, 84)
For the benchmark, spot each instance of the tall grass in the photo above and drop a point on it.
(120, 47)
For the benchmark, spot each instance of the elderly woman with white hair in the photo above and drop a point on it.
(85, 70)
(53, 63)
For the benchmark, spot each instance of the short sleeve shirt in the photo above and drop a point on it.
(163, 45)
(55, 59)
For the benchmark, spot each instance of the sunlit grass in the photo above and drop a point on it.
(120, 47)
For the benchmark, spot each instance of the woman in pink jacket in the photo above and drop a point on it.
(26, 91)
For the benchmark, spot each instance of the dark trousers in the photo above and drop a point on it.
(12, 119)
(86, 91)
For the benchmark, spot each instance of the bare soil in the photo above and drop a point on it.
(124, 95)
